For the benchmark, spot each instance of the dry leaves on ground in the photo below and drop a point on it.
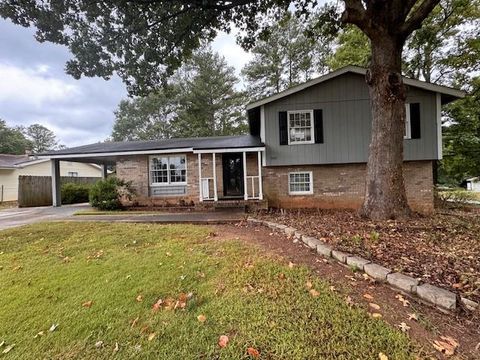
(87, 304)
(253, 352)
(223, 341)
(447, 345)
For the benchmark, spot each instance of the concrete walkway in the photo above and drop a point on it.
(15, 217)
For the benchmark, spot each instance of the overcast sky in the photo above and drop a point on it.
(35, 89)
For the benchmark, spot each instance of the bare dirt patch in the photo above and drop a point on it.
(359, 291)
(443, 249)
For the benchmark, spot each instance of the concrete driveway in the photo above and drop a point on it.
(22, 216)
(10, 218)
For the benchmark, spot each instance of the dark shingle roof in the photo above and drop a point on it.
(8, 161)
(203, 143)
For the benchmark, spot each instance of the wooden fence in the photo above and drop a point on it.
(37, 190)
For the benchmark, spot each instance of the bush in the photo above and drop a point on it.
(106, 194)
(455, 197)
(74, 193)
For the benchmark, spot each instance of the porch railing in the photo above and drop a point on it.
(207, 188)
(253, 187)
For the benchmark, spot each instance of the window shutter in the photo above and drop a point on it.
(283, 127)
(318, 123)
(415, 120)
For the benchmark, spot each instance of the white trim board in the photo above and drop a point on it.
(356, 70)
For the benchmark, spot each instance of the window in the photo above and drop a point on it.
(300, 127)
(408, 127)
(73, 173)
(300, 183)
(168, 170)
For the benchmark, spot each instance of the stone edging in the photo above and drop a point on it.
(444, 299)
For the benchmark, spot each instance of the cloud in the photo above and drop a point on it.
(32, 86)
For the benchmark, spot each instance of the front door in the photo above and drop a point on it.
(232, 174)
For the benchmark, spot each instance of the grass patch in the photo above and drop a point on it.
(48, 270)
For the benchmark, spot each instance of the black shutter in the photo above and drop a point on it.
(318, 123)
(415, 120)
(283, 126)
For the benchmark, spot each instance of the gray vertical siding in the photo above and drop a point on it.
(346, 122)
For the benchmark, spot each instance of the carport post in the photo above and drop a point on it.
(56, 195)
(104, 171)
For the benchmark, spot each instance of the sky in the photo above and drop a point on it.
(35, 89)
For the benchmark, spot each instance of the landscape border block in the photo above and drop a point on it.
(403, 282)
(443, 298)
(376, 271)
(340, 256)
(357, 262)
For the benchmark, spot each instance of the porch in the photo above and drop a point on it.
(229, 175)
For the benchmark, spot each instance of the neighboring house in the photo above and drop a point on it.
(308, 147)
(12, 166)
(473, 184)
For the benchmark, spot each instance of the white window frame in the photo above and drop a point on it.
(168, 171)
(408, 125)
(310, 174)
(312, 127)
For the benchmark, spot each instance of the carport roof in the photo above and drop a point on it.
(182, 144)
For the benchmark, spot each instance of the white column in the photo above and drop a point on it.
(56, 194)
(245, 189)
(215, 195)
(200, 177)
(260, 187)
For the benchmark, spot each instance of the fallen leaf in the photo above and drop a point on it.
(368, 296)
(40, 333)
(291, 265)
(309, 285)
(446, 346)
(374, 306)
(413, 316)
(139, 298)
(223, 341)
(116, 348)
(53, 327)
(253, 352)
(202, 318)
(8, 349)
(349, 301)
(382, 356)
(157, 305)
(152, 336)
(99, 344)
(376, 315)
(314, 293)
(404, 327)
(134, 322)
(332, 288)
(282, 276)
(87, 304)
(168, 254)
(404, 301)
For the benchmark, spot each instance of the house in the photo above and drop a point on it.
(12, 166)
(473, 184)
(307, 147)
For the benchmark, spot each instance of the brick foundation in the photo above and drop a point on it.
(343, 186)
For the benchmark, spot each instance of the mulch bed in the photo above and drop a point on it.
(443, 249)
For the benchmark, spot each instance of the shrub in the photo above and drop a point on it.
(455, 197)
(74, 193)
(107, 194)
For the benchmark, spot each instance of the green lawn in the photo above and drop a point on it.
(49, 270)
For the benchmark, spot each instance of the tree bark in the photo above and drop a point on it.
(385, 196)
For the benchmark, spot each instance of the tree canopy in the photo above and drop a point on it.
(12, 140)
(41, 139)
(200, 99)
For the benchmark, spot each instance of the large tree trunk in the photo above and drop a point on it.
(385, 196)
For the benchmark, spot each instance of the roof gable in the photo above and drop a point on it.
(448, 94)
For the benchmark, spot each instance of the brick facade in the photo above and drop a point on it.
(135, 169)
(334, 186)
(343, 186)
